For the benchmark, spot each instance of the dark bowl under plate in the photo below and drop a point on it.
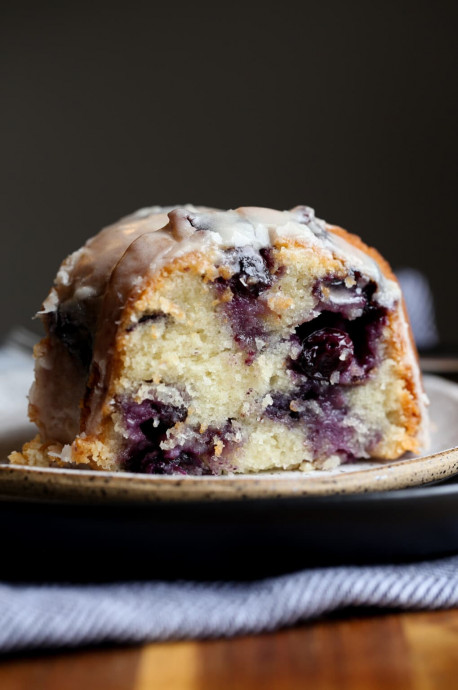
(78, 542)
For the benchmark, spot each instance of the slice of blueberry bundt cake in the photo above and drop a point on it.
(196, 341)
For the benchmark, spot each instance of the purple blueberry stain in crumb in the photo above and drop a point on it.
(245, 316)
(147, 424)
(151, 419)
(267, 254)
(336, 349)
(251, 276)
(280, 409)
(154, 462)
(321, 410)
(326, 432)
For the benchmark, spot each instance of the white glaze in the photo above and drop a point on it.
(86, 272)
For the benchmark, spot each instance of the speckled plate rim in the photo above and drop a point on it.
(98, 487)
(93, 486)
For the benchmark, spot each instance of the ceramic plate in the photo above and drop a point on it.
(440, 463)
(119, 527)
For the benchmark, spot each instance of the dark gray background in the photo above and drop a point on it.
(350, 107)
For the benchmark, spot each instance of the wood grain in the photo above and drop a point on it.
(107, 669)
(414, 651)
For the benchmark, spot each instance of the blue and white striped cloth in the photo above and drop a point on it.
(69, 616)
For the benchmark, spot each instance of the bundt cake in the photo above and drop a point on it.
(197, 341)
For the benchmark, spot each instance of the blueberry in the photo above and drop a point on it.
(150, 419)
(326, 352)
(147, 424)
(251, 274)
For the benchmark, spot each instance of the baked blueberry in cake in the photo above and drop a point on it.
(196, 341)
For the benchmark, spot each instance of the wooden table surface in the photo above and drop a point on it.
(408, 651)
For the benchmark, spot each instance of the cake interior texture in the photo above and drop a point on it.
(287, 354)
